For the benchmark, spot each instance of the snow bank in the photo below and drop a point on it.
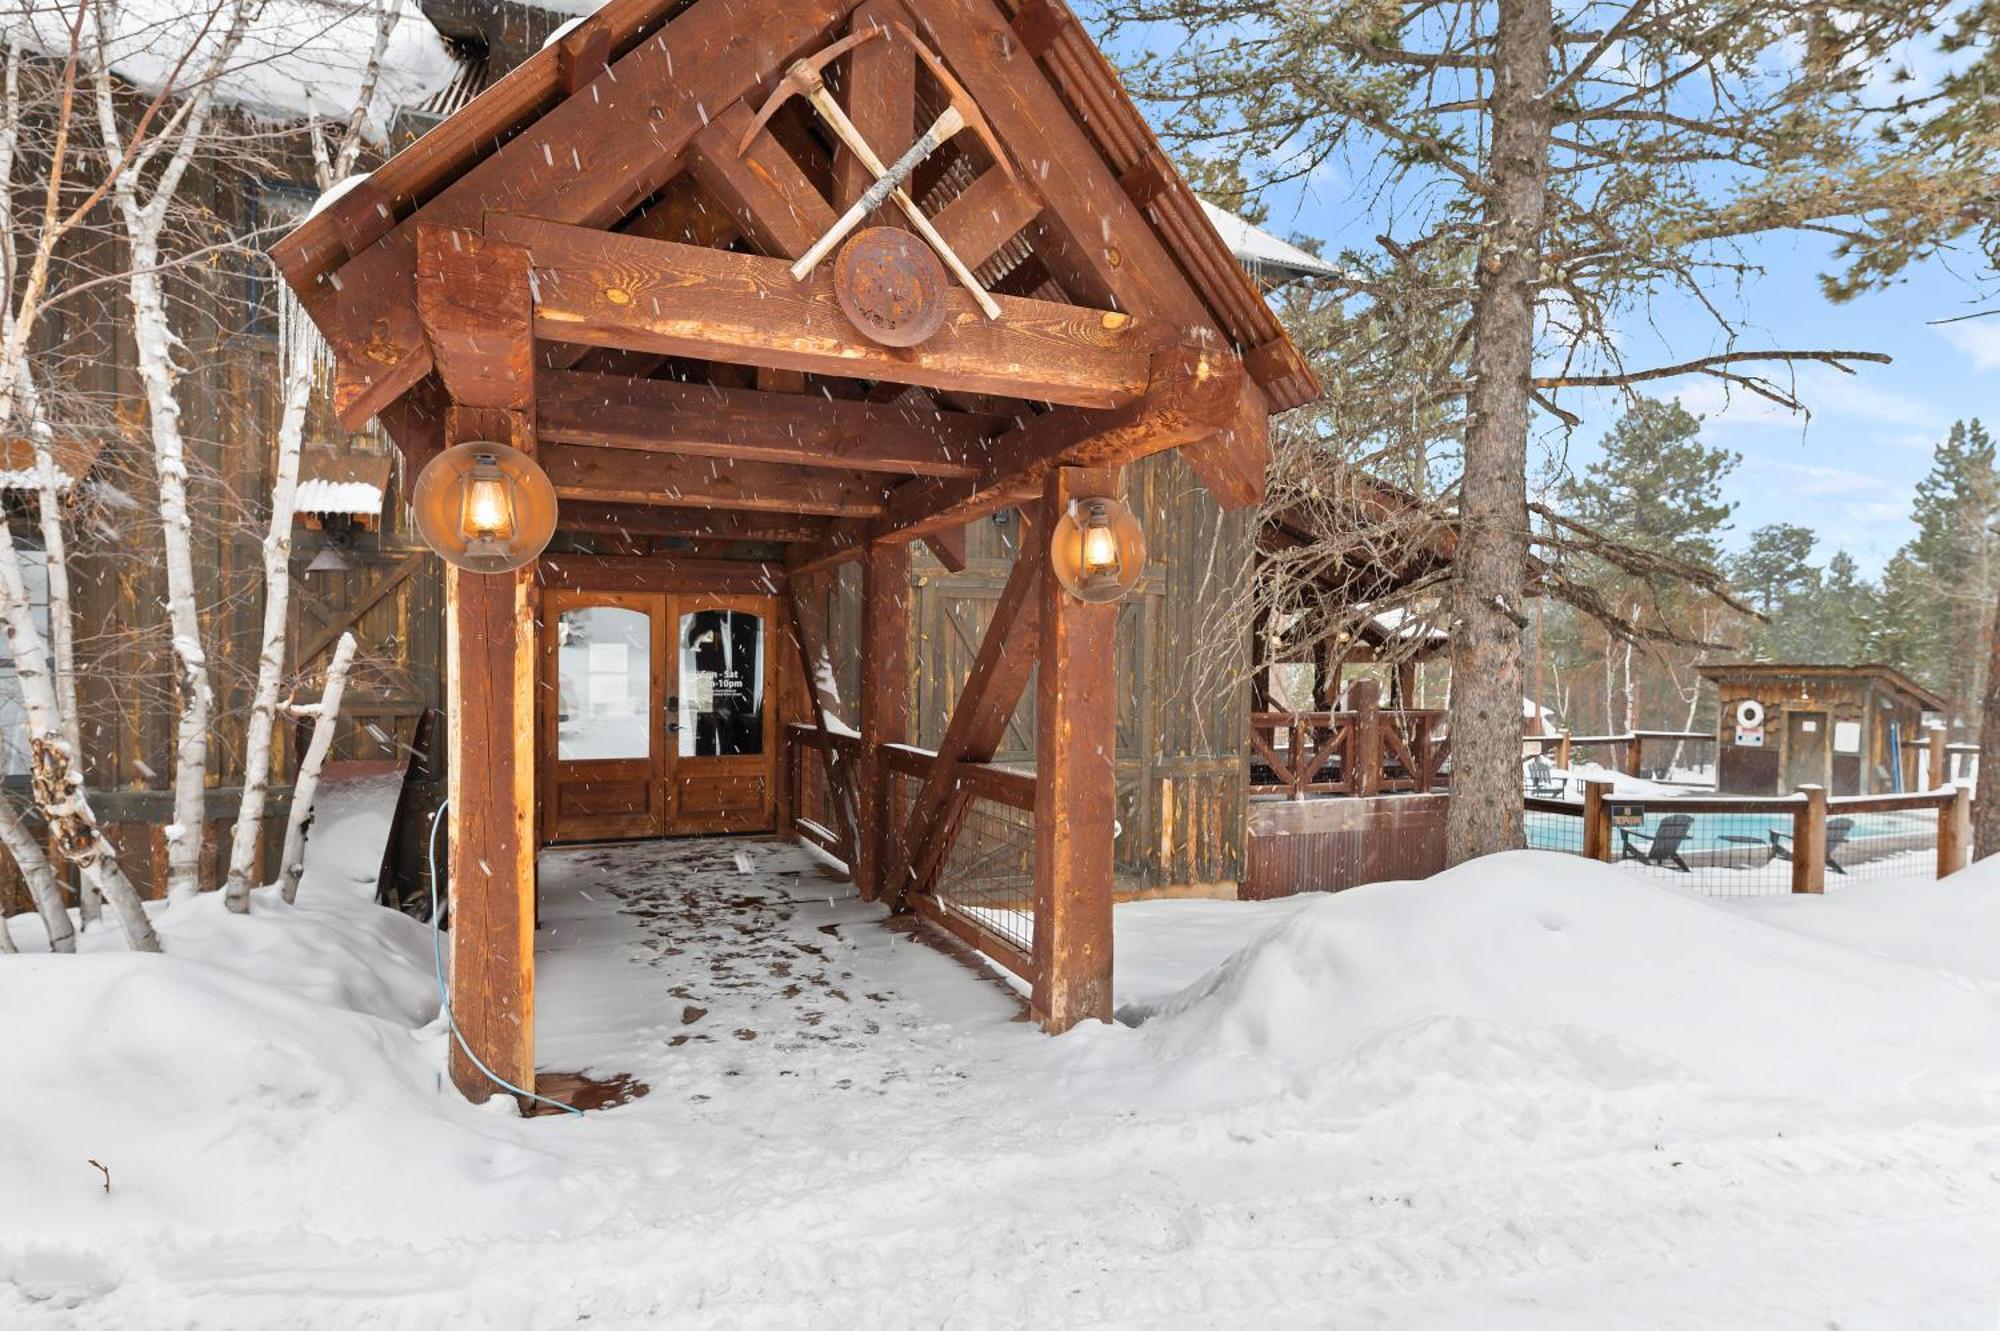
(1601, 969)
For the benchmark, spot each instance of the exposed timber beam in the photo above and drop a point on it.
(590, 159)
(1193, 390)
(660, 416)
(1093, 237)
(621, 476)
(583, 515)
(767, 195)
(597, 288)
(661, 573)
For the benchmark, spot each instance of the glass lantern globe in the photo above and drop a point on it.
(485, 507)
(1097, 549)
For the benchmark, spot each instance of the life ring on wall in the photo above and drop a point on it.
(1749, 714)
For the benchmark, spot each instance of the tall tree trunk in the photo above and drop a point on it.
(195, 695)
(298, 350)
(325, 719)
(1986, 797)
(1493, 524)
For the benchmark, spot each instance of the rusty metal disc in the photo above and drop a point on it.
(890, 286)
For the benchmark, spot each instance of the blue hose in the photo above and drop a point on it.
(444, 993)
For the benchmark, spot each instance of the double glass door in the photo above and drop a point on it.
(658, 714)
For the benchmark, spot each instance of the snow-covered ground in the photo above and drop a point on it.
(1534, 1092)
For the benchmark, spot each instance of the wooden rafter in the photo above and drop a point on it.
(1191, 389)
(589, 160)
(598, 289)
(622, 476)
(582, 515)
(766, 194)
(657, 415)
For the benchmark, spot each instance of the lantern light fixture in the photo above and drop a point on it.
(1097, 549)
(485, 507)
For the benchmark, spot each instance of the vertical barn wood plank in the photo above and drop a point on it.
(1076, 715)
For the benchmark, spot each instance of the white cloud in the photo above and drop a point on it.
(1829, 394)
(1977, 339)
(1825, 482)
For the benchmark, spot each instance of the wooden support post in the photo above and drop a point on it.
(885, 702)
(1562, 749)
(477, 313)
(1809, 841)
(1076, 803)
(1954, 834)
(1632, 754)
(1596, 820)
(1367, 737)
(1934, 769)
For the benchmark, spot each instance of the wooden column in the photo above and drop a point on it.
(1809, 842)
(885, 701)
(1935, 766)
(1633, 754)
(1076, 711)
(1367, 748)
(477, 311)
(1562, 749)
(1596, 820)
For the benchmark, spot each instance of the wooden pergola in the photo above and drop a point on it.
(590, 262)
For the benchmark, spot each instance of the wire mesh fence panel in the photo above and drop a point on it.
(1864, 845)
(1716, 854)
(989, 872)
(1549, 830)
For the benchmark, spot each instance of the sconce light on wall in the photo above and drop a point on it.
(1097, 549)
(485, 507)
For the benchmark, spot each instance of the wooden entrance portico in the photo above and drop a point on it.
(590, 262)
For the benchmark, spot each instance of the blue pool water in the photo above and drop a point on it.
(1559, 832)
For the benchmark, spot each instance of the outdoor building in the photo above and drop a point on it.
(1853, 730)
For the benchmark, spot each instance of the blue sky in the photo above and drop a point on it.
(1850, 470)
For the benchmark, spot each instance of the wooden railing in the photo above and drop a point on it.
(1367, 751)
(1931, 762)
(985, 901)
(1628, 751)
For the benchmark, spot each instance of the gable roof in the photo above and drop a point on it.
(1885, 674)
(1047, 29)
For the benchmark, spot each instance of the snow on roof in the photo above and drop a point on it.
(298, 58)
(339, 497)
(1263, 253)
(20, 471)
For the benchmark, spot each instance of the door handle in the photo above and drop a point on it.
(673, 714)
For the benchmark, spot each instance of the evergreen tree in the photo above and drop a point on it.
(1939, 589)
(1776, 569)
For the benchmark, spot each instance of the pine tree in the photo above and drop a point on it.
(1939, 589)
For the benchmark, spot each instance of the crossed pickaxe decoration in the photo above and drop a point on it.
(806, 78)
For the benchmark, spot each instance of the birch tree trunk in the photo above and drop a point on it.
(298, 351)
(58, 784)
(144, 221)
(325, 720)
(1493, 528)
(195, 695)
(41, 879)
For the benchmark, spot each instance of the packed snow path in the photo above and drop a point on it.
(1773, 1118)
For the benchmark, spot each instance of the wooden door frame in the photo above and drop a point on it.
(765, 763)
(549, 767)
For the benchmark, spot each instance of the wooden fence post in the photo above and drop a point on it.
(1954, 834)
(1562, 749)
(1934, 769)
(1632, 755)
(1809, 841)
(1596, 820)
(1367, 737)
(885, 702)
